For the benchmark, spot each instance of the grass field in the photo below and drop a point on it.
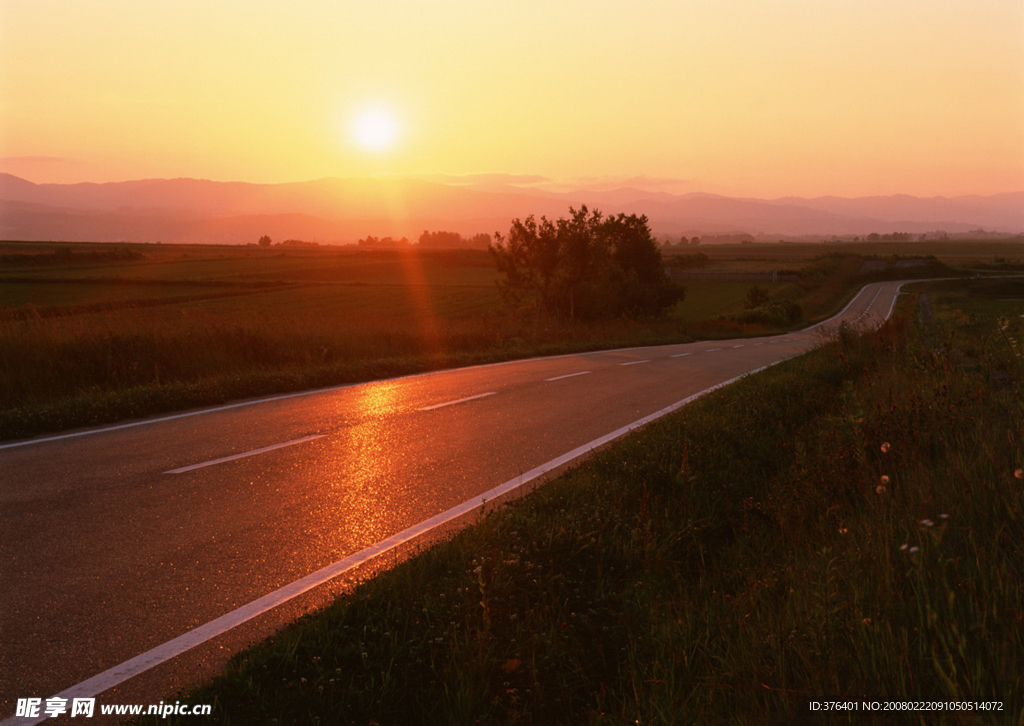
(843, 527)
(25, 297)
(194, 263)
(96, 333)
(959, 252)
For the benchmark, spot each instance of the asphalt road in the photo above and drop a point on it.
(116, 540)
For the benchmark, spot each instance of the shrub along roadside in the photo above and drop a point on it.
(845, 526)
(111, 401)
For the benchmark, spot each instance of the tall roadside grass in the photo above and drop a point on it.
(844, 527)
(92, 368)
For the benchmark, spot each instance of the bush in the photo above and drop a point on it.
(778, 312)
(756, 297)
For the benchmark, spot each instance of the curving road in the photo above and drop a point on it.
(116, 540)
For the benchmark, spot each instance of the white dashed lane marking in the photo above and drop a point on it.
(458, 400)
(244, 454)
(567, 375)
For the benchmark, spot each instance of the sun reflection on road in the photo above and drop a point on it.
(361, 496)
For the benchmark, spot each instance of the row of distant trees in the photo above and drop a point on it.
(265, 241)
(454, 240)
(432, 240)
(427, 240)
(893, 237)
(384, 242)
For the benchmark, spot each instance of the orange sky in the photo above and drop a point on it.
(740, 97)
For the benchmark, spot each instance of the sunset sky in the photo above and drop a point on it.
(740, 97)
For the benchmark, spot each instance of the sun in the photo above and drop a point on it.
(375, 129)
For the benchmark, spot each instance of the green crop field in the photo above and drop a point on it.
(950, 251)
(24, 295)
(707, 299)
(96, 333)
(193, 263)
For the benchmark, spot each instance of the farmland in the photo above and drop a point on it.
(98, 333)
(797, 536)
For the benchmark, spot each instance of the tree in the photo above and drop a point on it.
(528, 258)
(384, 242)
(441, 239)
(264, 241)
(756, 297)
(585, 266)
(453, 240)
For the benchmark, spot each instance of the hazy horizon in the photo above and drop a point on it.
(740, 99)
(491, 181)
(337, 210)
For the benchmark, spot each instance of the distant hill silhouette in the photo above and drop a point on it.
(344, 210)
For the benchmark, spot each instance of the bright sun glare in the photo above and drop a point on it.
(375, 129)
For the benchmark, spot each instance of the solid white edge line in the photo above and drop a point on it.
(244, 454)
(111, 677)
(458, 400)
(330, 389)
(568, 375)
(843, 311)
(186, 414)
(892, 306)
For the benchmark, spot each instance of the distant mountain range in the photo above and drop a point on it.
(344, 210)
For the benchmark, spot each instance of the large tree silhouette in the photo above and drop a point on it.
(584, 267)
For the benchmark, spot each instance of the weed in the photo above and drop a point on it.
(726, 564)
